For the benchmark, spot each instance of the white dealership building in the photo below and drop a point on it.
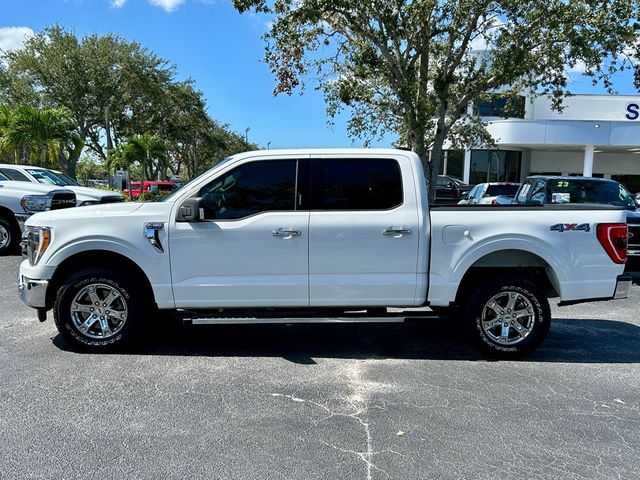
(594, 135)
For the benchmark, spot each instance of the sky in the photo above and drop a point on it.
(221, 50)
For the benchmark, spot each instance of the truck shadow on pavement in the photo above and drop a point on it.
(570, 341)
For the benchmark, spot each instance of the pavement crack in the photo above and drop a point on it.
(358, 411)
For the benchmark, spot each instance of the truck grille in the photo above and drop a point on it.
(63, 200)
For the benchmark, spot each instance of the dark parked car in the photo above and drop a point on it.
(547, 189)
(633, 246)
(450, 189)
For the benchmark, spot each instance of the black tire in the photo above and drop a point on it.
(490, 303)
(99, 281)
(9, 236)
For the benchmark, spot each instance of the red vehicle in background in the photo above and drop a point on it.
(153, 186)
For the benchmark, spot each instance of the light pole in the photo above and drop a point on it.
(246, 136)
(268, 144)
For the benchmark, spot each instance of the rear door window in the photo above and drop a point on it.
(356, 184)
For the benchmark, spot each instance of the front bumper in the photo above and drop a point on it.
(33, 292)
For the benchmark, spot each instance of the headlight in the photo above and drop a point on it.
(36, 203)
(35, 241)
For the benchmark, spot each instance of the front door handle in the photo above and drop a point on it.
(282, 232)
(391, 231)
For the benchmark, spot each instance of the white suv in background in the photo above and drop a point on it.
(84, 195)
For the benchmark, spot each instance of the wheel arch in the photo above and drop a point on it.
(9, 216)
(11, 219)
(528, 265)
(97, 258)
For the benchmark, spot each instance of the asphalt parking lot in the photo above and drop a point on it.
(321, 402)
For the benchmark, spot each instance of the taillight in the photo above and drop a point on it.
(613, 237)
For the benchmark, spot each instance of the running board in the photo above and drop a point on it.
(287, 320)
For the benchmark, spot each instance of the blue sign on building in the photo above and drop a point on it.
(633, 111)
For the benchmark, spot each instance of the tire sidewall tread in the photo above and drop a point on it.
(505, 283)
(129, 290)
(14, 237)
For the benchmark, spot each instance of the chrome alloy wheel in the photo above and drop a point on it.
(4, 236)
(508, 318)
(99, 311)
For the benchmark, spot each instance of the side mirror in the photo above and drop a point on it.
(189, 211)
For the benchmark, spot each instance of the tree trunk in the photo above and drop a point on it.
(107, 126)
(436, 157)
(74, 156)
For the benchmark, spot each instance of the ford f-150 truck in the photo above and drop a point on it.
(19, 201)
(313, 236)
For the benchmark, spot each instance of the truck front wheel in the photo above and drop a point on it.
(508, 317)
(98, 309)
(9, 236)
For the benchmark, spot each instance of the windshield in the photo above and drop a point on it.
(69, 180)
(168, 198)
(584, 191)
(47, 177)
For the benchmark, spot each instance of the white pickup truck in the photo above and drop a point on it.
(18, 201)
(44, 176)
(313, 236)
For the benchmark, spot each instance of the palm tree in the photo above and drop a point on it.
(6, 120)
(146, 149)
(42, 133)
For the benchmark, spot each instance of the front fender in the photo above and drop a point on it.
(154, 264)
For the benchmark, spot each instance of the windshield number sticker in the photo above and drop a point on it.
(572, 227)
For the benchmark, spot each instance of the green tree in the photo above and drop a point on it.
(114, 89)
(38, 135)
(89, 169)
(415, 67)
(6, 119)
(109, 85)
(147, 150)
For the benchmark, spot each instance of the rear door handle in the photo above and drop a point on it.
(390, 231)
(282, 232)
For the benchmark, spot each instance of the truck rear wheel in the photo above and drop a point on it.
(9, 236)
(98, 309)
(508, 317)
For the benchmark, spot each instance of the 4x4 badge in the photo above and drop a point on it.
(563, 227)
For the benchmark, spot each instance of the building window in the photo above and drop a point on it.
(497, 105)
(495, 166)
(452, 163)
